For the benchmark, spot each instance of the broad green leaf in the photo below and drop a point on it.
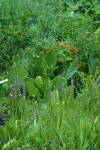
(40, 62)
(58, 82)
(39, 83)
(32, 90)
(39, 66)
(22, 74)
(31, 80)
(51, 59)
(71, 70)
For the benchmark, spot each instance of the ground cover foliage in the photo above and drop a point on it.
(49, 75)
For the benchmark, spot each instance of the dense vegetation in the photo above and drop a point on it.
(49, 75)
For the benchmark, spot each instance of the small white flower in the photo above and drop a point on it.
(72, 12)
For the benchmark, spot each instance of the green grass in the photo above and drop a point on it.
(69, 123)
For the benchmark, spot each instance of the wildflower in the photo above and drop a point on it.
(50, 95)
(24, 89)
(21, 33)
(63, 89)
(16, 88)
(68, 46)
(75, 50)
(27, 48)
(61, 45)
(41, 53)
(47, 49)
(2, 119)
(70, 62)
(50, 92)
(72, 13)
(59, 61)
(72, 85)
(80, 65)
(65, 43)
(88, 36)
